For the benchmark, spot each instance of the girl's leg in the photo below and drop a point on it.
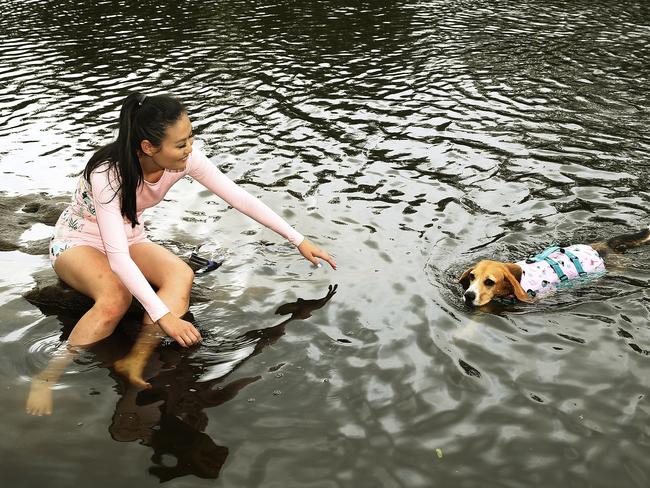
(86, 270)
(173, 279)
(168, 273)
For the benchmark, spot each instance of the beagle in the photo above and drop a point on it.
(532, 278)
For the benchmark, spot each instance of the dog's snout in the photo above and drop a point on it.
(470, 296)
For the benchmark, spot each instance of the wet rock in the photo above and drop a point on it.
(36, 248)
(20, 213)
(53, 296)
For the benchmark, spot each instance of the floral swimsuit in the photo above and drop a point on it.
(77, 225)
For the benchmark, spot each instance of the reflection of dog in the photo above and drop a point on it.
(534, 277)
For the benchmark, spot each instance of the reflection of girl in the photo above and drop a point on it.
(100, 248)
(170, 417)
(171, 421)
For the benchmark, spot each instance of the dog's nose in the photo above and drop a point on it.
(470, 296)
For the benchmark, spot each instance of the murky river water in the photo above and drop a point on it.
(409, 139)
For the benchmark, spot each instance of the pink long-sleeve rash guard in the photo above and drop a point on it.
(116, 231)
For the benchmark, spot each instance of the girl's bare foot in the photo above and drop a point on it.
(39, 400)
(132, 370)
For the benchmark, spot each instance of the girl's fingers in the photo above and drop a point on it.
(326, 257)
(184, 333)
(331, 261)
(312, 253)
(192, 336)
(311, 257)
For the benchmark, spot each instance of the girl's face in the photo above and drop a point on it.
(175, 147)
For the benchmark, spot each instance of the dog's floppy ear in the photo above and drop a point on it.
(520, 293)
(464, 278)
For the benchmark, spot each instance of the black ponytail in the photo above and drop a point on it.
(141, 118)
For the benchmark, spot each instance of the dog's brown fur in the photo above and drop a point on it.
(494, 279)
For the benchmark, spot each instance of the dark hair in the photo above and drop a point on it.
(141, 117)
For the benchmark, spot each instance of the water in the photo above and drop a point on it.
(409, 139)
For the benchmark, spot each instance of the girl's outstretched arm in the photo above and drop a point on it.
(201, 169)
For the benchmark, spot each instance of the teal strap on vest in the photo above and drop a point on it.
(556, 267)
(544, 256)
(575, 261)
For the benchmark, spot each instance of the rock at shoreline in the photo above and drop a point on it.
(21, 212)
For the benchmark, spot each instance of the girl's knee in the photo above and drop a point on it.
(114, 304)
(186, 275)
(180, 277)
(179, 280)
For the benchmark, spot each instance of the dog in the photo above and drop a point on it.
(531, 279)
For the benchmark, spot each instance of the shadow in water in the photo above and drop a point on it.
(170, 417)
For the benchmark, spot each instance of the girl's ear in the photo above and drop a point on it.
(464, 278)
(148, 148)
(520, 293)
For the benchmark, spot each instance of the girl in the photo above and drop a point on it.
(99, 246)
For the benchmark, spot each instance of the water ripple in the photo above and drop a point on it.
(409, 138)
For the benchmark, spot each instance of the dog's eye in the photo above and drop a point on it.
(488, 282)
(471, 277)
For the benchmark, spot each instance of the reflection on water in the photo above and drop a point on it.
(170, 417)
(409, 139)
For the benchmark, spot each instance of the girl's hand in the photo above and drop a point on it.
(311, 252)
(180, 330)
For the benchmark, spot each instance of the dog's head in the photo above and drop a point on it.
(492, 279)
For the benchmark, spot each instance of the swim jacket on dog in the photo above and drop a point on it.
(539, 275)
